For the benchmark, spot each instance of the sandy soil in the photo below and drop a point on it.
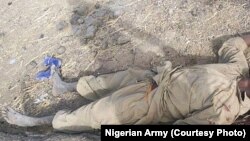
(97, 37)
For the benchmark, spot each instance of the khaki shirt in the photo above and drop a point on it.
(206, 94)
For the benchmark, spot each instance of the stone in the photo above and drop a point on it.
(100, 13)
(61, 50)
(74, 19)
(104, 45)
(26, 77)
(41, 36)
(123, 40)
(83, 41)
(97, 5)
(61, 25)
(12, 61)
(90, 32)
(89, 20)
(31, 65)
(2, 34)
(81, 11)
(80, 21)
(77, 30)
(195, 12)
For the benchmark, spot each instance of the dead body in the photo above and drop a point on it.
(201, 94)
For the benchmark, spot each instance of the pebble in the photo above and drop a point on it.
(31, 65)
(80, 20)
(90, 32)
(97, 5)
(89, 20)
(100, 13)
(41, 36)
(26, 77)
(9, 3)
(220, 7)
(123, 40)
(24, 48)
(2, 34)
(61, 25)
(74, 19)
(77, 30)
(80, 11)
(1, 47)
(104, 45)
(12, 61)
(83, 41)
(61, 50)
(194, 12)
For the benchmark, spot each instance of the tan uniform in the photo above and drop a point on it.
(202, 94)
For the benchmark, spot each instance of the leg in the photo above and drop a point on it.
(93, 88)
(125, 106)
(13, 117)
(59, 86)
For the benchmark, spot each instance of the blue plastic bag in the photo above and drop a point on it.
(49, 62)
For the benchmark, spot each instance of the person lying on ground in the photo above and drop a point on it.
(201, 94)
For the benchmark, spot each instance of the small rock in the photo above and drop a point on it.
(74, 19)
(80, 20)
(15, 98)
(83, 41)
(61, 25)
(104, 45)
(61, 50)
(171, 11)
(111, 15)
(194, 12)
(80, 11)
(90, 32)
(9, 3)
(123, 40)
(1, 47)
(31, 65)
(2, 34)
(49, 91)
(89, 20)
(97, 5)
(220, 7)
(12, 61)
(118, 13)
(10, 86)
(26, 77)
(41, 36)
(46, 9)
(24, 48)
(100, 13)
(77, 30)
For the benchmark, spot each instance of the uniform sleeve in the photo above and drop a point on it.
(232, 53)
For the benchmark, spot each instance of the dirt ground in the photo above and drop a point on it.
(97, 37)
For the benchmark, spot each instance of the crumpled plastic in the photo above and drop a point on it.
(49, 62)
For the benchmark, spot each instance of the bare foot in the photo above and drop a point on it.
(13, 117)
(59, 86)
